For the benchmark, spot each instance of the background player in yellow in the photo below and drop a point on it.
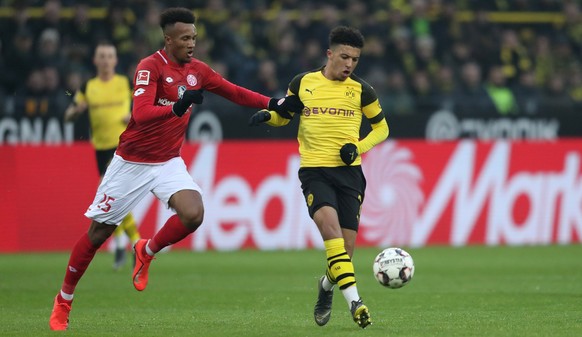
(331, 175)
(107, 97)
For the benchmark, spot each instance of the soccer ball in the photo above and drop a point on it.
(393, 267)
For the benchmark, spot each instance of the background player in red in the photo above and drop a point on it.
(148, 158)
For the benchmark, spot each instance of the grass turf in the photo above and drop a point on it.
(469, 291)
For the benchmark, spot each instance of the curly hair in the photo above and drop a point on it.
(176, 14)
(346, 35)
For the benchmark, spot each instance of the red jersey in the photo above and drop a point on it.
(154, 134)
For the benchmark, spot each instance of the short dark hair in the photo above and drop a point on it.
(346, 35)
(176, 14)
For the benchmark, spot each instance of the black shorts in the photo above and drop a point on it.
(339, 187)
(103, 159)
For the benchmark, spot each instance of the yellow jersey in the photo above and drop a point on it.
(109, 104)
(332, 117)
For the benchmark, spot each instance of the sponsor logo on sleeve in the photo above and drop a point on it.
(143, 77)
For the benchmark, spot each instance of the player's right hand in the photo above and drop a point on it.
(259, 117)
(189, 97)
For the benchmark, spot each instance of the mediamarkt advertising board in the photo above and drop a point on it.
(418, 193)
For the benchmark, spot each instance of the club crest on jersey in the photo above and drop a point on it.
(350, 92)
(181, 90)
(192, 80)
(142, 77)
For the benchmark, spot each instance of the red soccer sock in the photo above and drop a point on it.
(81, 257)
(172, 232)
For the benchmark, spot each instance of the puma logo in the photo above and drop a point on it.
(309, 91)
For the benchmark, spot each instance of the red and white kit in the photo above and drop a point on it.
(150, 146)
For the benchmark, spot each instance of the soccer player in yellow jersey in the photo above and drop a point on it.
(330, 171)
(107, 97)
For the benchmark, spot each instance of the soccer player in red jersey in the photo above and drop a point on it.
(148, 158)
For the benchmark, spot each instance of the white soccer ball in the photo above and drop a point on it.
(393, 267)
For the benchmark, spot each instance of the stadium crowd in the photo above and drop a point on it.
(420, 55)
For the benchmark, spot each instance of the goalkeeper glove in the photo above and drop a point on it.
(283, 106)
(349, 153)
(259, 117)
(189, 97)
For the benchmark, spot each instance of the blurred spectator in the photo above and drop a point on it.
(555, 98)
(460, 54)
(231, 46)
(285, 54)
(564, 58)
(57, 98)
(373, 52)
(396, 98)
(51, 19)
(445, 29)
(48, 49)
(149, 28)
(470, 97)
(572, 29)
(31, 100)
(499, 92)
(81, 33)
(514, 57)
(312, 56)
(403, 56)
(444, 83)
(267, 82)
(425, 55)
(18, 22)
(543, 58)
(19, 60)
(527, 93)
(419, 21)
(121, 31)
(482, 35)
(425, 96)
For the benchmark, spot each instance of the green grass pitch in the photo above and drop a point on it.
(469, 291)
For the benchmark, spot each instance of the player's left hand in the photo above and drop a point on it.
(259, 117)
(283, 106)
(349, 153)
(189, 97)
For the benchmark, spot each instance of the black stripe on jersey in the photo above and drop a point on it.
(368, 93)
(296, 82)
(378, 118)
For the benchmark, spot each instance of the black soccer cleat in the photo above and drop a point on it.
(322, 311)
